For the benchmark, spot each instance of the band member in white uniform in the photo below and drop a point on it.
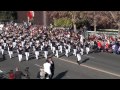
(42, 45)
(50, 44)
(31, 43)
(27, 50)
(37, 41)
(46, 51)
(20, 53)
(2, 49)
(56, 51)
(82, 50)
(37, 51)
(61, 47)
(78, 56)
(4, 43)
(74, 50)
(69, 46)
(66, 51)
(14, 43)
(53, 47)
(87, 48)
(10, 50)
(22, 41)
(81, 39)
(47, 69)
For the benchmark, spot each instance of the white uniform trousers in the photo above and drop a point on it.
(51, 46)
(27, 55)
(78, 57)
(53, 50)
(2, 50)
(37, 54)
(20, 57)
(30, 44)
(66, 52)
(87, 50)
(74, 51)
(4, 45)
(61, 49)
(41, 47)
(45, 54)
(57, 54)
(10, 53)
(22, 43)
(34, 48)
(14, 44)
(82, 51)
(69, 48)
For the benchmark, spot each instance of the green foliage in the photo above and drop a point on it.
(82, 22)
(63, 22)
(8, 15)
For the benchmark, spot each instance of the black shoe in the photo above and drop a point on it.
(79, 62)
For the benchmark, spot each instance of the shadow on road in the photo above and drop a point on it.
(62, 74)
(2, 58)
(61, 55)
(85, 60)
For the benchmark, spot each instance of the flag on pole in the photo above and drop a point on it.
(30, 15)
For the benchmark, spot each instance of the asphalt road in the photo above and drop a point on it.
(95, 66)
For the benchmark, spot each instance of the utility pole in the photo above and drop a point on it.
(45, 18)
(94, 22)
(73, 13)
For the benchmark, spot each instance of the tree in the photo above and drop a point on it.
(116, 20)
(63, 22)
(8, 15)
(103, 19)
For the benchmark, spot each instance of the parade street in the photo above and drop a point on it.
(95, 66)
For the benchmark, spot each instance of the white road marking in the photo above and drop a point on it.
(93, 68)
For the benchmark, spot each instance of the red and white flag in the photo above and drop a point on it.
(30, 15)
